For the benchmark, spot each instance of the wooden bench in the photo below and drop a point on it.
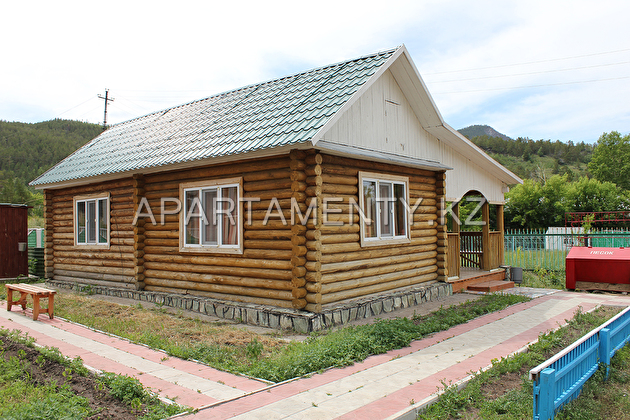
(36, 292)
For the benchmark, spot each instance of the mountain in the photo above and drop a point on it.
(535, 159)
(481, 130)
(27, 150)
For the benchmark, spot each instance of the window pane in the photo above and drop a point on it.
(81, 222)
(369, 201)
(400, 214)
(192, 217)
(229, 215)
(386, 208)
(91, 222)
(209, 206)
(102, 221)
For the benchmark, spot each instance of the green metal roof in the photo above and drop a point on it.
(280, 112)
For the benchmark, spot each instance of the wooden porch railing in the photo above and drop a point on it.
(469, 247)
(496, 250)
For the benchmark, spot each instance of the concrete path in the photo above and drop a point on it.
(392, 385)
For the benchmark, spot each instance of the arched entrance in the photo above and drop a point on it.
(475, 237)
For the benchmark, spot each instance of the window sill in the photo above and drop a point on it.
(206, 250)
(384, 242)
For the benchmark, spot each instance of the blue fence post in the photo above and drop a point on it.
(604, 348)
(547, 393)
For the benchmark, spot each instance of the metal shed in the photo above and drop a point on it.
(13, 240)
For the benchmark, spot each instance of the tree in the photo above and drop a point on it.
(535, 205)
(592, 195)
(611, 159)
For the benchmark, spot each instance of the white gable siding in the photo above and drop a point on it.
(382, 120)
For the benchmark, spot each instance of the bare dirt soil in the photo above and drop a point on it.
(103, 405)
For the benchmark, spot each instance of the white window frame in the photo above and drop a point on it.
(184, 217)
(382, 239)
(86, 199)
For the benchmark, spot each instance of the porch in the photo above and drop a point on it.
(475, 257)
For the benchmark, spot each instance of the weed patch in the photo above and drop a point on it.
(345, 346)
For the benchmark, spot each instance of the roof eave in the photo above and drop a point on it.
(262, 153)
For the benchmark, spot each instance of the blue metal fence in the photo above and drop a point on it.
(560, 379)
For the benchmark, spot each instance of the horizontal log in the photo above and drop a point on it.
(223, 296)
(376, 288)
(422, 261)
(161, 242)
(268, 185)
(161, 234)
(95, 276)
(95, 188)
(220, 271)
(272, 235)
(274, 254)
(217, 288)
(278, 194)
(115, 250)
(373, 253)
(342, 269)
(339, 286)
(215, 171)
(93, 255)
(236, 279)
(268, 174)
(270, 225)
(225, 261)
(123, 271)
(262, 244)
(92, 282)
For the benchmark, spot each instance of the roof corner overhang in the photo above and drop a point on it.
(378, 156)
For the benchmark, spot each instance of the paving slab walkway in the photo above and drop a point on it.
(393, 385)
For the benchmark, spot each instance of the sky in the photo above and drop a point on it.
(556, 70)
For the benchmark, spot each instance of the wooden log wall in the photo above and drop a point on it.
(265, 273)
(112, 267)
(284, 264)
(48, 231)
(337, 267)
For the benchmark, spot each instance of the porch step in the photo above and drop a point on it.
(464, 283)
(491, 286)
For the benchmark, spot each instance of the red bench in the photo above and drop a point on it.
(36, 292)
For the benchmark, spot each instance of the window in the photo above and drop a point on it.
(91, 220)
(383, 202)
(210, 220)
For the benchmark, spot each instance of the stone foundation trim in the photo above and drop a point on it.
(273, 317)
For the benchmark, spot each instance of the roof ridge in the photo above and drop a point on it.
(255, 86)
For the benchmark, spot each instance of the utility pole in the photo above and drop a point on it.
(107, 99)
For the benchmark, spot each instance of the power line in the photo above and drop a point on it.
(68, 110)
(531, 73)
(527, 63)
(535, 86)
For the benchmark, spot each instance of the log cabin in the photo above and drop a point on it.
(302, 193)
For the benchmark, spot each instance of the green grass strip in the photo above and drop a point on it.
(352, 344)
